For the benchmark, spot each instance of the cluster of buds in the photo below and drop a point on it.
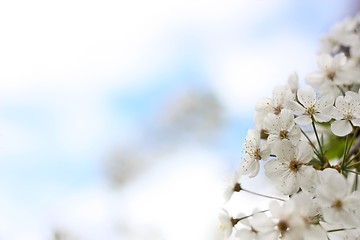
(307, 142)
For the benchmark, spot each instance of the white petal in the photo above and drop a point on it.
(273, 139)
(249, 166)
(252, 140)
(306, 96)
(326, 100)
(259, 120)
(261, 222)
(305, 152)
(293, 81)
(245, 234)
(315, 232)
(303, 120)
(287, 119)
(295, 135)
(306, 179)
(289, 184)
(275, 168)
(324, 61)
(354, 95)
(309, 183)
(295, 107)
(315, 78)
(284, 151)
(341, 104)
(341, 128)
(265, 151)
(356, 122)
(336, 113)
(264, 105)
(352, 201)
(272, 123)
(339, 59)
(320, 117)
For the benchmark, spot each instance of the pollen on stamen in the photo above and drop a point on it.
(295, 165)
(311, 110)
(283, 134)
(283, 227)
(338, 204)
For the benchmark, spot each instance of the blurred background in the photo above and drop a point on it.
(122, 119)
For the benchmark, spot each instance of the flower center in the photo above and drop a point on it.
(283, 227)
(283, 134)
(234, 221)
(338, 204)
(348, 116)
(311, 110)
(256, 154)
(331, 75)
(277, 110)
(295, 165)
(264, 134)
(237, 187)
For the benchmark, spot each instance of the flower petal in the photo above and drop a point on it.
(320, 117)
(303, 120)
(289, 184)
(306, 96)
(356, 122)
(341, 128)
(287, 120)
(304, 152)
(275, 168)
(264, 105)
(295, 107)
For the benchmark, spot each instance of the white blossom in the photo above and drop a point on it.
(248, 231)
(309, 107)
(336, 199)
(342, 34)
(254, 152)
(332, 72)
(274, 105)
(310, 212)
(232, 186)
(281, 127)
(284, 223)
(289, 170)
(346, 114)
(227, 223)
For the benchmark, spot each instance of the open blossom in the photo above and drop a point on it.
(346, 114)
(289, 170)
(309, 107)
(248, 231)
(227, 223)
(342, 34)
(284, 223)
(310, 212)
(331, 69)
(232, 186)
(280, 95)
(281, 127)
(254, 152)
(336, 199)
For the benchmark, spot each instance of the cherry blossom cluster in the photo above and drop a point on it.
(307, 143)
